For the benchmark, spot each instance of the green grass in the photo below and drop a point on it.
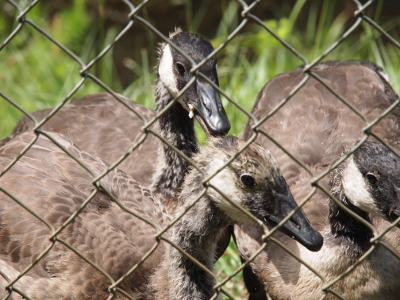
(226, 266)
(37, 74)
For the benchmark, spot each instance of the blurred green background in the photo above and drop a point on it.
(37, 74)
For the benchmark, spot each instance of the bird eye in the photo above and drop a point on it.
(180, 68)
(371, 178)
(248, 180)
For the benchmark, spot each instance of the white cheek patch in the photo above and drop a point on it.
(166, 71)
(384, 75)
(226, 181)
(356, 189)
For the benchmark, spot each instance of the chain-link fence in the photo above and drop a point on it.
(15, 275)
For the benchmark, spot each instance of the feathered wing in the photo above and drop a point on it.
(104, 127)
(103, 232)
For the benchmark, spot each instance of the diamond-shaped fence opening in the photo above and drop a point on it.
(67, 224)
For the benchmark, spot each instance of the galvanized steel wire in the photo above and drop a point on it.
(246, 16)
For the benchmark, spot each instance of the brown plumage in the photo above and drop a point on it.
(104, 127)
(316, 127)
(54, 185)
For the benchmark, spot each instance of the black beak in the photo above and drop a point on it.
(210, 112)
(298, 226)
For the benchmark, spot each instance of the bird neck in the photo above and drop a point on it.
(346, 230)
(177, 128)
(196, 233)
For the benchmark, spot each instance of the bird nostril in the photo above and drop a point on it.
(295, 223)
(208, 109)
